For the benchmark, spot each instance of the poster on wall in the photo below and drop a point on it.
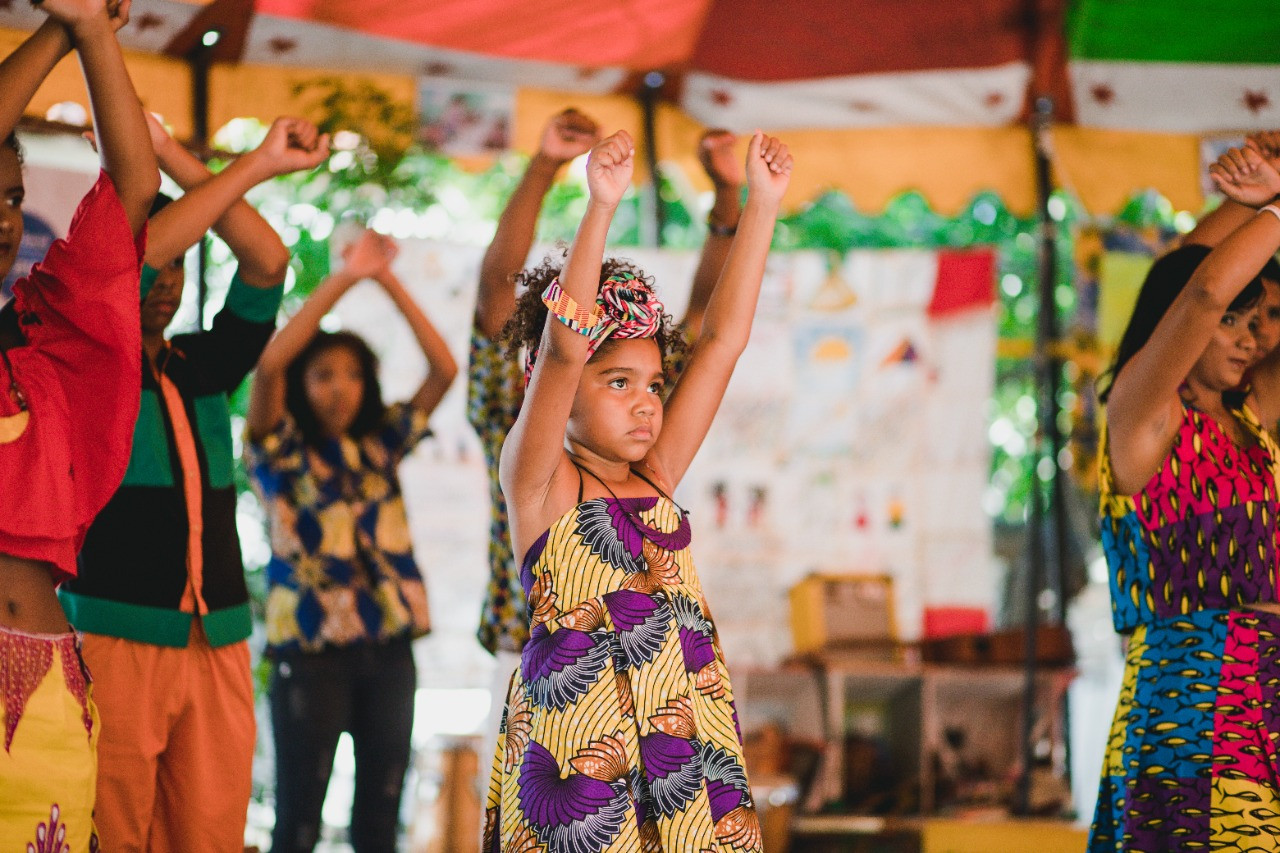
(464, 119)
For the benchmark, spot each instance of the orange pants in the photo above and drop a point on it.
(175, 755)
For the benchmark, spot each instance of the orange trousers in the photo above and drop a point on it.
(175, 753)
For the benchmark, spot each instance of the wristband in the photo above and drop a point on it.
(1270, 208)
(719, 229)
(567, 310)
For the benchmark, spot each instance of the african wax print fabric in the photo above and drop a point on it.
(1191, 762)
(495, 391)
(620, 731)
(342, 569)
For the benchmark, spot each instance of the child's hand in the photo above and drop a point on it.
(75, 14)
(1245, 176)
(292, 145)
(118, 13)
(569, 134)
(369, 255)
(715, 153)
(160, 138)
(1266, 143)
(609, 168)
(768, 168)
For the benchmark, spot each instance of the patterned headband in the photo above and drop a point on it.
(626, 307)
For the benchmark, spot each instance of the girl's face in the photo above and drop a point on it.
(334, 385)
(1231, 352)
(1266, 329)
(617, 412)
(11, 195)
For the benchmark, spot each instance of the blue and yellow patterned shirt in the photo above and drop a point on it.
(342, 569)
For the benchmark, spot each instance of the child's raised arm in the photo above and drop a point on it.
(727, 324)
(22, 71)
(365, 258)
(441, 367)
(534, 450)
(715, 153)
(124, 145)
(217, 201)
(567, 135)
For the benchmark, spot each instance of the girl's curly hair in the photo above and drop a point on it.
(523, 331)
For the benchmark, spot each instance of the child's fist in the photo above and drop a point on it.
(609, 168)
(715, 153)
(769, 165)
(292, 145)
(569, 134)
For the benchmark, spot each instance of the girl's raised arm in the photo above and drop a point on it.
(124, 143)
(568, 135)
(727, 323)
(441, 367)
(365, 258)
(217, 201)
(1143, 402)
(22, 71)
(534, 450)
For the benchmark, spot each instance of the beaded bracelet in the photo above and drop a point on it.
(567, 310)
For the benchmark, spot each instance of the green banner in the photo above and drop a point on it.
(1220, 31)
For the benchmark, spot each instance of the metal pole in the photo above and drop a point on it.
(1048, 438)
(653, 82)
(200, 60)
(1053, 383)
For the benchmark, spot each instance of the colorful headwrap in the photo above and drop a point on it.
(626, 307)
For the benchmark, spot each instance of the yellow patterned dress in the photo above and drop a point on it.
(620, 732)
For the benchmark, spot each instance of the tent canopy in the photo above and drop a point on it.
(877, 97)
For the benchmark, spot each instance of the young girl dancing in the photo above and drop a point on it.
(620, 731)
(69, 387)
(1189, 527)
(345, 594)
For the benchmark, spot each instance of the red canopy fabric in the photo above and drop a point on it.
(638, 36)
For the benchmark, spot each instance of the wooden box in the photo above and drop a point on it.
(843, 611)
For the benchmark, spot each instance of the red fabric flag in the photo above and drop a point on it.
(966, 280)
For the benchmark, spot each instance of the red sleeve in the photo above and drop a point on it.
(79, 310)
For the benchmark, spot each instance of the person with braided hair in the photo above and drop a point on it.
(620, 730)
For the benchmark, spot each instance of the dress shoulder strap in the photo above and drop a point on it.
(652, 485)
(580, 470)
(594, 476)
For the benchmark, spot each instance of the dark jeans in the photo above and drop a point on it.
(365, 690)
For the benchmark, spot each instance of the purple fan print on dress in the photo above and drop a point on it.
(577, 814)
(642, 623)
(559, 667)
(673, 768)
(695, 633)
(727, 786)
(605, 527)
